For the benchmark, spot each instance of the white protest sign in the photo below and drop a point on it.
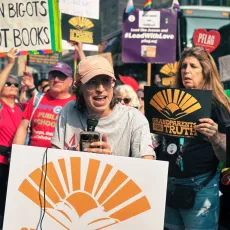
(149, 19)
(84, 191)
(25, 25)
(83, 8)
(224, 65)
(86, 47)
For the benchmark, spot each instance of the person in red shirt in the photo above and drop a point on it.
(10, 118)
(44, 118)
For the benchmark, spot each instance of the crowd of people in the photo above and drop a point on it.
(52, 117)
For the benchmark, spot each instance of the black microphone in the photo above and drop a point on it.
(92, 122)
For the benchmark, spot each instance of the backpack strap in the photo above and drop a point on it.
(37, 99)
(206, 181)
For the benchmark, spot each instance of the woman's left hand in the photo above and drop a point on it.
(209, 128)
(101, 147)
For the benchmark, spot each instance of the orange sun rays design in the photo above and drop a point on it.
(85, 193)
(174, 104)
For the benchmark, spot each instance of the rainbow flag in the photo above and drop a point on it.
(129, 7)
(148, 5)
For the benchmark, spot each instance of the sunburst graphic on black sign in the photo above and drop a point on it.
(174, 103)
(81, 23)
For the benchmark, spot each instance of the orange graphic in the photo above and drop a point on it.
(174, 104)
(81, 23)
(81, 194)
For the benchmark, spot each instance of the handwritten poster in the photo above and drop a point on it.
(25, 25)
(83, 8)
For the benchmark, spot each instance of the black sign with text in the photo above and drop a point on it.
(175, 112)
(86, 30)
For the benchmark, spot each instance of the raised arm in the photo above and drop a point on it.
(28, 80)
(79, 50)
(6, 71)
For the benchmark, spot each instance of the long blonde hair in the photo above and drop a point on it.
(210, 74)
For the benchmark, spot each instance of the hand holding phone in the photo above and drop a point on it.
(101, 147)
(86, 138)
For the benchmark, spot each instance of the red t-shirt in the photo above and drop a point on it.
(44, 119)
(10, 119)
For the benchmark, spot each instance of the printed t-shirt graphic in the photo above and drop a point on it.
(44, 119)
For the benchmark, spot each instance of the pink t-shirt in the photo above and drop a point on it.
(10, 119)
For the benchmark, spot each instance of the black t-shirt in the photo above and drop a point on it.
(198, 155)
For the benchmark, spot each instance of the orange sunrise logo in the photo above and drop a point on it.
(174, 103)
(85, 194)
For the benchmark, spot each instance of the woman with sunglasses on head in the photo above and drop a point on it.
(126, 96)
(10, 118)
(193, 162)
(124, 130)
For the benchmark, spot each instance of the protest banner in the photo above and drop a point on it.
(75, 28)
(79, 190)
(224, 66)
(82, 8)
(48, 59)
(176, 112)
(209, 40)
(169, 72)
(29, 26)
(149, 36)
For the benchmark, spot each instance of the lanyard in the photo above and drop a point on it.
(181, 143)
(179, 160)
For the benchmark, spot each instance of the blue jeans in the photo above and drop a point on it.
(205, 212)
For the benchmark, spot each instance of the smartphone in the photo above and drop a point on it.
(86, 138)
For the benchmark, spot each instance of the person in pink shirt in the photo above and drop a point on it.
(10, 118)
(44, 118)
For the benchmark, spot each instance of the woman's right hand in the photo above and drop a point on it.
(11, 56)
(79, 49)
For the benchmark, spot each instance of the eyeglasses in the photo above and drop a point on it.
(9, 84)
(126, 100)
(142, 98)
(61, 76)
(92, 84)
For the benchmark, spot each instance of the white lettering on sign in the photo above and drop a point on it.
(206, 39)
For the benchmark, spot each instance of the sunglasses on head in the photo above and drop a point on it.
(8, 84)
(196, 48)
(126, 100)
(61, 76)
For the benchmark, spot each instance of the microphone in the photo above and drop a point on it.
(92, 122)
